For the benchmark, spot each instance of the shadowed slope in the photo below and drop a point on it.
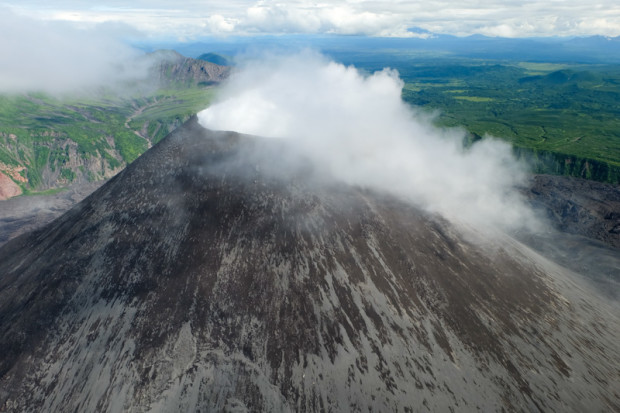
(207, 276)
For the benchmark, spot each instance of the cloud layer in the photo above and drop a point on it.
(358, 129)
(194, 18)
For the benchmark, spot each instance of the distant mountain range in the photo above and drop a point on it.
(593, 49)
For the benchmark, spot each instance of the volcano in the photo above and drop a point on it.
(222, 272)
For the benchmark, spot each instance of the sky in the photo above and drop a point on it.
(193, 19)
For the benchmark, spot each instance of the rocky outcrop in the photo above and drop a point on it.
(9, 175)
(65, 164)
(208, 277)
(8, 188)
(14, 172)
(555, 163)
(173, 67)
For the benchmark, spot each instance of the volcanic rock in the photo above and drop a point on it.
(173, 68)
(579, 206)
(221, 272)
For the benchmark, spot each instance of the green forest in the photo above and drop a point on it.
(563, 119)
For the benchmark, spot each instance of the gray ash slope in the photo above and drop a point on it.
(204, 279)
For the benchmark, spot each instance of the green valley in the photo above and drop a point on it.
(57, 141)
(48, 142)
(564, 120)
(562, 117)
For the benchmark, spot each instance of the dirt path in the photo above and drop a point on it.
(139, 110)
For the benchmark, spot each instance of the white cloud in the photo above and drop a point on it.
(194, 18)
(345, 20)
(500, 30)
(359, 129)
(58, 57)
(219, 24)
(281, 18)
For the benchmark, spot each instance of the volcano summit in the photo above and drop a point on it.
(207, 277)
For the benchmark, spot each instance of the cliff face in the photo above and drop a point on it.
(73, 166)
(206, 276)
(55, 160)
(10, 175)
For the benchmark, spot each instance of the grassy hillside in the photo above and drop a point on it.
(52, 142)
(47, 143)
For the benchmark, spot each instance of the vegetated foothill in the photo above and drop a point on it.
(49, 142)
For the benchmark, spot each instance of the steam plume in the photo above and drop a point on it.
(358, 128)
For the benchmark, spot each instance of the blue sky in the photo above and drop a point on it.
(193, 19)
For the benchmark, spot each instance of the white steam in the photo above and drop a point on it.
(359, 129)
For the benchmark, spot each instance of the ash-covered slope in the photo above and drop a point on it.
(207, 277)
